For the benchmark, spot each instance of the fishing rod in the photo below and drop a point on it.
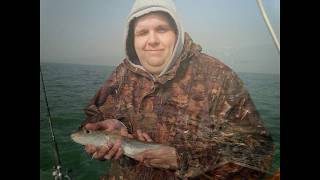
(266, 20)
(57, 174)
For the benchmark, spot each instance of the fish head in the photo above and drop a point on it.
(86, 136)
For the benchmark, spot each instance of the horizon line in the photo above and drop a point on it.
(72, 63)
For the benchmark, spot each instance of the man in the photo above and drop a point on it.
(167, 91)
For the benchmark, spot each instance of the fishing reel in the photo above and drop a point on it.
(57, 175)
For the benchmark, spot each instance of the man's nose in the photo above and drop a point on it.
(153, 39)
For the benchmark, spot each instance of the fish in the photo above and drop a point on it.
(130, 147)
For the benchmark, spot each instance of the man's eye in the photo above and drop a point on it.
(141, 33)
(162, 30)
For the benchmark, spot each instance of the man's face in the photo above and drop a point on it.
(154, 41)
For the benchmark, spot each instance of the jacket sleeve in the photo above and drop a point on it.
(235, 136)
(101, 105)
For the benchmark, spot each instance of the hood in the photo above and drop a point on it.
(190, 49)
(142, 7)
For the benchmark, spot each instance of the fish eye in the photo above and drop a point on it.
(87, 131)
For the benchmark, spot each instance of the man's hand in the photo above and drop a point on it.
(164, 157)
(109, 150)
(142, 136)
(110, 125)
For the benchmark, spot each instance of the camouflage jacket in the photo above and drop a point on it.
(199, 106)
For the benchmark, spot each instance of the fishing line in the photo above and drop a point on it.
(57, 168)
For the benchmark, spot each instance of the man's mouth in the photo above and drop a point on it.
(154, 50)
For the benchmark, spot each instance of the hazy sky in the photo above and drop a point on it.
(91, 31)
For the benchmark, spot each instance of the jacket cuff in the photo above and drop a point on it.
(195, 160)
(182, 158)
